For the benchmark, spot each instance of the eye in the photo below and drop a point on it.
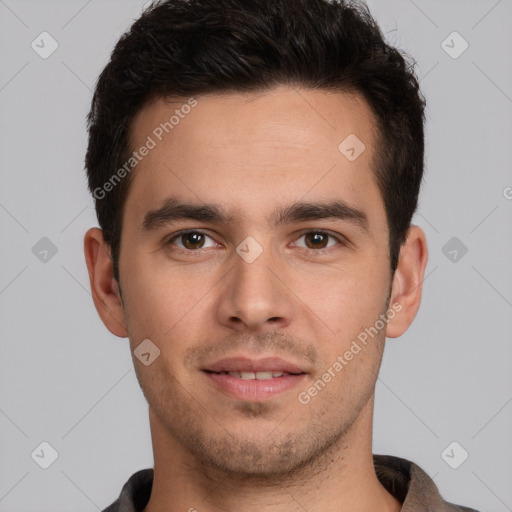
(318, 240)
(193, 240)
(190, 239)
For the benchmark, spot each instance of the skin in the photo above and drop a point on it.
(251, 153)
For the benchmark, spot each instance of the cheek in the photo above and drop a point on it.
(159, 297)
(345, 298)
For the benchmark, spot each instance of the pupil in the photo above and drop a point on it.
(317, 237)
(194, 238)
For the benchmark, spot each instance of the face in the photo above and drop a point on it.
(284, 266)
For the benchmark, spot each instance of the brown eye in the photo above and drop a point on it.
(190, 240)
(318, 240)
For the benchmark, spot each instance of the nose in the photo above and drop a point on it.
(254, 295)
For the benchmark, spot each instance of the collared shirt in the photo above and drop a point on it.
(406, 481)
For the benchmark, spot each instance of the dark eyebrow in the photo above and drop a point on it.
(175, 209)
(337, 209)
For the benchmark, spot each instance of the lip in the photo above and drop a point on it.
(245, 364)
(254, 389)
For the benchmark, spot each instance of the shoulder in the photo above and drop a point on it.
(135, 493)
(412, 486)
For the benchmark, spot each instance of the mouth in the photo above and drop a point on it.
(256, 375)
(256, 380)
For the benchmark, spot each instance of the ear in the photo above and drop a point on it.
(104, 288)
(407, 282)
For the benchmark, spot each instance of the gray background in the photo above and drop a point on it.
(66, 380)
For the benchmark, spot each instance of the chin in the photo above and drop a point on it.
(247, 454)
(253, 460)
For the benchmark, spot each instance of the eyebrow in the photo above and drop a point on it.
(175, 209)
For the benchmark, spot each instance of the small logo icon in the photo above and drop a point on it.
(507, 192)
(454, 45)
(44, 45)
(146, 352)
(351, 147)
(44, 250)
(454, 249)
(44, 455)
(249, 249)
(454, 455)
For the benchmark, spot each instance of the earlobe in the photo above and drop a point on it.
(407, 282)
(104, 288)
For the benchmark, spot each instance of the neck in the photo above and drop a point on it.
(341, 479)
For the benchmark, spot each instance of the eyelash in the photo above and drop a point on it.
(340, 239)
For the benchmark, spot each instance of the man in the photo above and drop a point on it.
(255, 166)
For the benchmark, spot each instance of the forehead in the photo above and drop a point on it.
(250, 118)
(253, 149)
